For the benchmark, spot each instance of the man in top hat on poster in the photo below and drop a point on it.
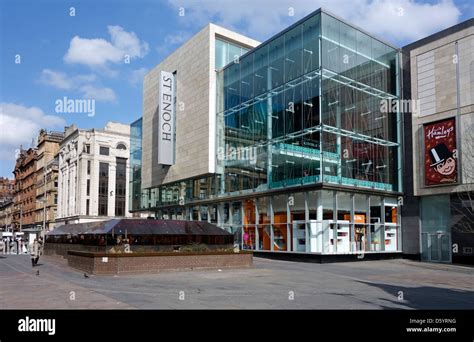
(444, 162)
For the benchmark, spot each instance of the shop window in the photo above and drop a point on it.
(328, 204)
(264, 232)
(344, 206)
(280, 237)
(391, 214)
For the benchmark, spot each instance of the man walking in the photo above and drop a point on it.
(34, 252)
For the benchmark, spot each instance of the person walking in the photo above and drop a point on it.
(34, 252)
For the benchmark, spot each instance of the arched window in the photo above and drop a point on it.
(121, 146)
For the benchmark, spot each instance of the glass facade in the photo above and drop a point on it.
(227, 52)
(302, 109)
(135, 164)
(306, 107)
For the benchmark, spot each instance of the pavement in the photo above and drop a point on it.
(269, 284)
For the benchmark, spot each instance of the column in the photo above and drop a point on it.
(352, 226)
(257, 235)
(272, 222)
(319, 217)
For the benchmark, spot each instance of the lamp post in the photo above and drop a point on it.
(21, 216)
(45, 192)
(45, 201)
(42, 200)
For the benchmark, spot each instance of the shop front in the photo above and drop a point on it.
(318, 221)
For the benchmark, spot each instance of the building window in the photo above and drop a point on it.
(87, 148)
(87, 206)
(120, 186)
(121, 147)
(227, 52)
(88, 167)
(103, 188)
(104, 151)
(88, 188)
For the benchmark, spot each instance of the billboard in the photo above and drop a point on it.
(440, 154)
(166, 121)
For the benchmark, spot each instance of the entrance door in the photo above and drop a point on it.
(436, 247)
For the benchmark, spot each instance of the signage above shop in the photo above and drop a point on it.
(166, 121)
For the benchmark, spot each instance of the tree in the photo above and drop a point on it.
(463, 205)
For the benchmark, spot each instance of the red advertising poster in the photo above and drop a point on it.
(440, 152)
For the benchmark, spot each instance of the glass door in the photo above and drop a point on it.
(436, 247)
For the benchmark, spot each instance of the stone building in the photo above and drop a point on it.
(7, 190)
(93, 176)
(25, 190)
(6, 209)
(47, 178)
(438, 213)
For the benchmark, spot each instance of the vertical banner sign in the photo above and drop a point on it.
(166, 120)
(440, 155)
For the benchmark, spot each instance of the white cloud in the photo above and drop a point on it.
(29, 120)
(62, 81)
(407, 20)
(261, 19)
(55, 79)
(136, 76)
(128, 42)
(99, 52)
(98, 94)
(82, 84)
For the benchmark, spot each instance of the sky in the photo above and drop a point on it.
(101, 49)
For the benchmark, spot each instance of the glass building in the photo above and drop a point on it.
(135, 164)
(308, 157)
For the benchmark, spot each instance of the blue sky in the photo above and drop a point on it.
(84, 55)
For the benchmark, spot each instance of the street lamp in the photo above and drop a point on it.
(43, 200)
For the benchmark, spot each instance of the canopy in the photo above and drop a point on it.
(140, 227)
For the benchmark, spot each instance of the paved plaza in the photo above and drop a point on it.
(269, 284)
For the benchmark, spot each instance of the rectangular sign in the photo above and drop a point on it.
(166, 121)
(440, 155)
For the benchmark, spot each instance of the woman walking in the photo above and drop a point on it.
(34, 252)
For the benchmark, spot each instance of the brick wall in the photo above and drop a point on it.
(95, 263)
(63, 248)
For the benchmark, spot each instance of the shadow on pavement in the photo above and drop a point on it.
(426, 297)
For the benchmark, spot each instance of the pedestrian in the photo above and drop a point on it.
(41, 247)
(2, 246)
(34, 252)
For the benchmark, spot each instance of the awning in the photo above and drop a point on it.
(140, 227)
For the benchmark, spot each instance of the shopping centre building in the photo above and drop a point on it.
(438, 212)
(288, 144)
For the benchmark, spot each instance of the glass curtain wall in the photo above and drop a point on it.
(311, 105)
(268, 104)
(360, 135)
(135, 164)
